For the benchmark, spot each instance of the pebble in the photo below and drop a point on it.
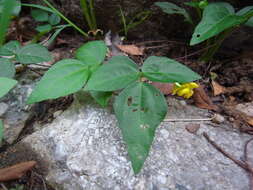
(3, 108)
(218, 119)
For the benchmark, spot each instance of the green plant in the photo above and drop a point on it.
(14, 52)
(89, 13)
(8, 8)
(48, 21)
(218, 20)
(133, 22)
(53, 10)
(18, 187)
(139, 107)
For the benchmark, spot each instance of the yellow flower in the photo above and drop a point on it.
(185, 90)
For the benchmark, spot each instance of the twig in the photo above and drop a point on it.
(3, 186)
(187, 120)
(226, 154)
(41, 178)
(194, 53)
(246, 154)
(243, 164)
(47, 66)
(158, 41)
(35, 71)
(155, 47)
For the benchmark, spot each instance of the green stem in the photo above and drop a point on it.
(208, 55)
(86, 11)
(66, 19)
(92, 14)
(8, 6)
(198, 10)
(37, 37)
(123, 21)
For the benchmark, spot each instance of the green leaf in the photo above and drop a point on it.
(7, 68)
(10, 48)
(192, 4)
(5, 18)
(101, 98)
(44, 28)
(217, 17)
(56, 33)
(1, 131)
(6, 85)
(243, 12)
(163, 69)
(38, 7)
(119, 72)
(33, 53)
(92, 53)
(39, 15)
(54, 19)
(139, 108)
(63, 78)
(171, 8)
(16, 8)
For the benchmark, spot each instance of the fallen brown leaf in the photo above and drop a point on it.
(202, 100)
(250, 121)
(165, 88)
(16, 171)
(131, 49)
(192, 128)
(218, 89)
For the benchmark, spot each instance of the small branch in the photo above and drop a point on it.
(187, 120)
(243, 164)
(246, 149)
(159, 41)
(155, 47)
(195, 53)
(3, 186)
(226, 154)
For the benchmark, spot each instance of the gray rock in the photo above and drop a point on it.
(3, 108)
(246, 108)
(18, 111)
(218, 119)
(83, 149)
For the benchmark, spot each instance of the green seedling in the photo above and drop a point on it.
(133, 22)
(89, 13)
(48, 20)
(51, 9)
(11, 53)
(139, 107)
(218, 20)
(8, 8)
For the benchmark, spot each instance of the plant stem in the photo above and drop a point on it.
(92, 15)
(66, 19)
(123, 21)
(37, 37)
(208, 55)
(8, 6)
(86, 11)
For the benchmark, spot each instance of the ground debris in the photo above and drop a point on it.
(16, 171)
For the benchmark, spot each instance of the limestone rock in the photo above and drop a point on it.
(15, 116)
(83, 149)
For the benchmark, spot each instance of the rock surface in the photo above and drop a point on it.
(15, 111)
(246, 108)
(83, 149)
